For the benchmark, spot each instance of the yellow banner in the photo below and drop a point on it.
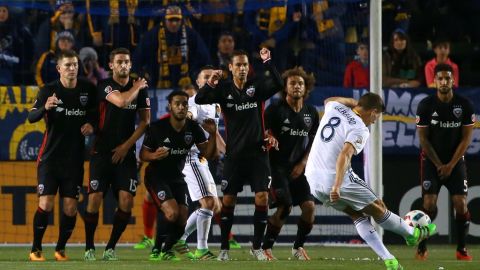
(19, 201)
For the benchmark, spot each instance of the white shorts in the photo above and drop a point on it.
(199, 179)
(354, 193)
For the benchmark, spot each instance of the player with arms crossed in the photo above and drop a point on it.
(294, 124)
(445, 124)
(246, 159)
(343, 133)
(68, 107)
(113, 163)
(166, 145)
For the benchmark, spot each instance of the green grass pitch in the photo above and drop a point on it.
(335, 258)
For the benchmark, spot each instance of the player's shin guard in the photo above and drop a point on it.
(422, 246)
(270, 235)
(67, 224)
(120, 221)
(259, 223)
(226, 225)
(304, 229)
(174, 233)
(462, 222)
(390, 221)
(204, 221)
(162, 230)
(368, 233)
(191, 225)
(149, 210)
(40, 223)
(91, 222)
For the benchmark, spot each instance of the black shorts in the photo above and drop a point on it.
(457, 183)
(105, 174)
(66, 178)
(288, 191)
(254, 170)
(162, 189)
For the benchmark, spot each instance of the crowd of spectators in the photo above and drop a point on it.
(171, 39)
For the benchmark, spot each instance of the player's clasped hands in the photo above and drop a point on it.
(209, 126)
(217, 74)
(161, 153)
(52, 102)
(265, 54)
(140, 83)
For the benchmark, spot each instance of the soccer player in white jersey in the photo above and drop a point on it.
(200, 182)
(342, 133)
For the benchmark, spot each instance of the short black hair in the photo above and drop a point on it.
(442, 67)
(66, 54)
(371, 101)
(204, 68)
(176, 93)
(118, 51)
(238, 53)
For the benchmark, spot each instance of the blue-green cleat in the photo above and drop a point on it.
(204, 255)
(90, 255)
(169, 256)
(144, 243)
(392, 264)
(109, 255)
(181, 248)
(420, 234)
(234, 244)
(155, 255)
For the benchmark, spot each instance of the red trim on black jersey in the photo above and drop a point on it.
(102, 111)
(167, 115)
(44, 141)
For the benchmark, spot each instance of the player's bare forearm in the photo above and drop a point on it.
(142, 126)
(209, 148)
(463, 145)
(343, 162)
(349, 102)
(427, 147)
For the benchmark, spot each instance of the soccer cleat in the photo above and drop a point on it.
(155, 255)
(392, 264)
(269, 254)
(462, 255)
(144, 243)
(60, 255)
(109, 255)
(421, 255)
(300, 254)
(36, 256)
(259, 254)
(169, 256)
(181, 248)
(420, 234)
(90, 255)
(204, 255)
(223, 255)
(234, 244)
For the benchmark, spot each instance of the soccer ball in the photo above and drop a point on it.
(417, 218)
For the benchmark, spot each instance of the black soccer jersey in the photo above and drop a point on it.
(243, 110)
(445, 121)
(294, 131)
(161, 134)
(116, 124)
(63, 140)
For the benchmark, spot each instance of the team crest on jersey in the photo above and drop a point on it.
(161, 195)
(427, 184)
(359, 141)
(250, 91)
(108, 89)
(40, 189)
(94, 184)
(83, 100)
(188, 137)
(307, 119)
(457, 111)
(224, 184)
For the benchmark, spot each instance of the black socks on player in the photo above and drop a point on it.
(120, 221)
(91, 222)
(67, 224)
(40, 223)
(226, 225)
(259, 223)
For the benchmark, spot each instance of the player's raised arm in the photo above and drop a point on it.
(42, 105)
(123, 99)
(209, 93)
(269, 85)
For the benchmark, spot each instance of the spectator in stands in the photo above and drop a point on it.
(225, 48)
(46, 67)
(442, 51)
(357, 72)
(92, 69)
(401, 64)
(64, 19)
(179, 52)
(16, 46)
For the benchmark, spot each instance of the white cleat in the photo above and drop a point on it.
(223, 255)
(300, 254)
(259, 254)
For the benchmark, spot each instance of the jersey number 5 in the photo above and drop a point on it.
(328, 130)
